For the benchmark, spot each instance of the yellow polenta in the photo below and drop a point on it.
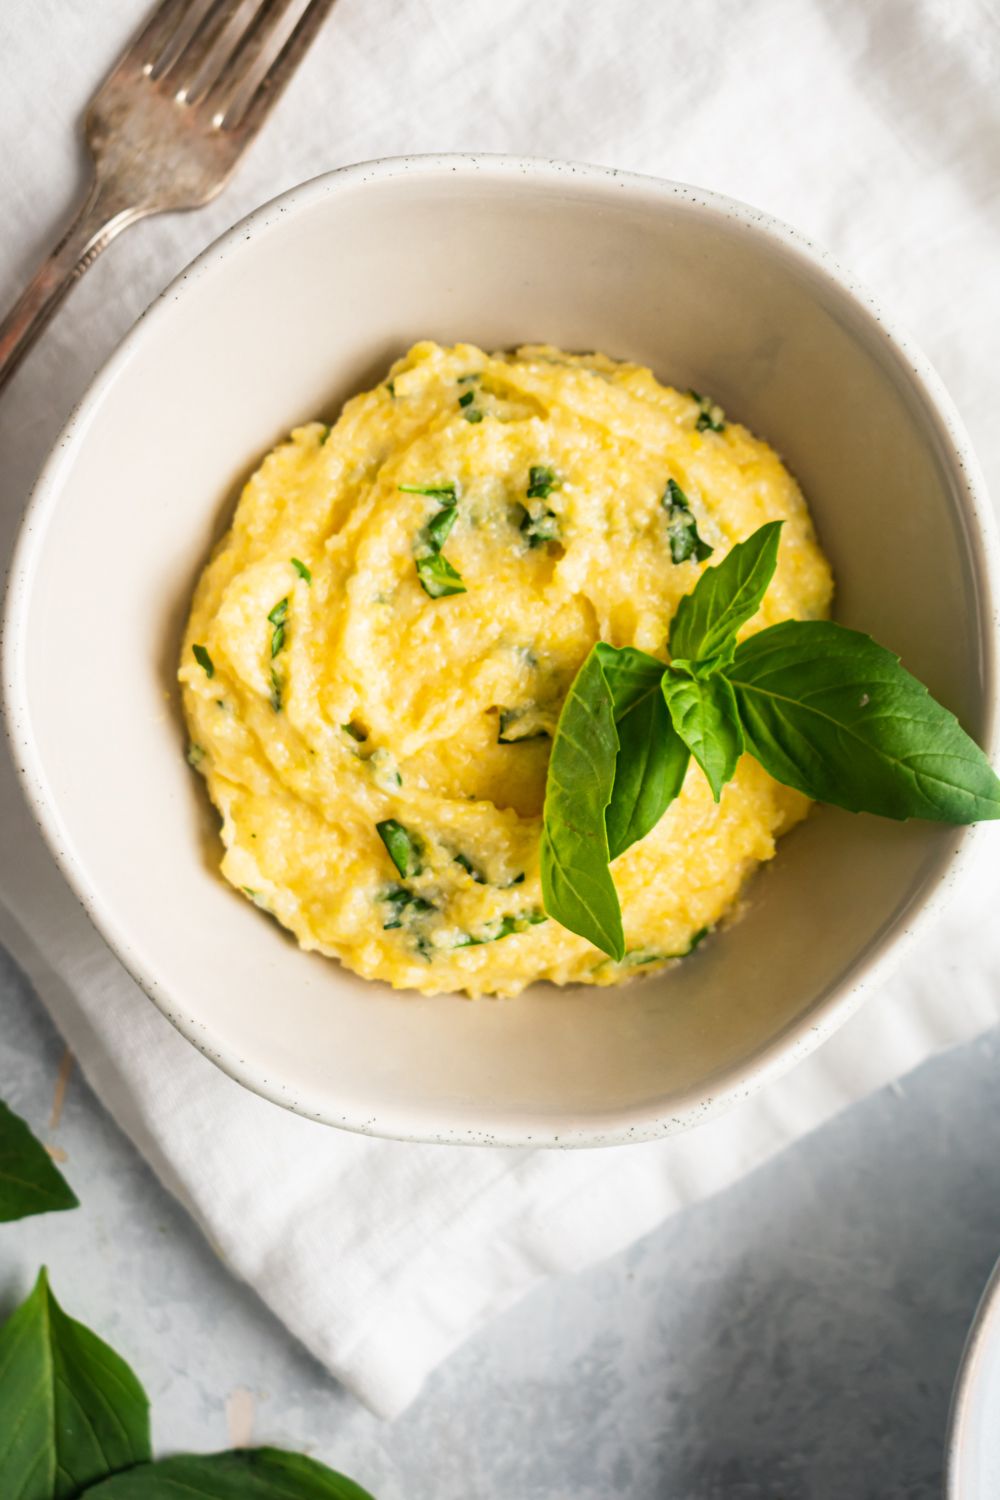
(332, 693)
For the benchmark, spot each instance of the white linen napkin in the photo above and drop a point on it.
(875, 129)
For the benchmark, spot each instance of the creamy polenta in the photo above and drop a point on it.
(379, 648)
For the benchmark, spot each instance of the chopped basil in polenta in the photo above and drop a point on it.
(379, 648)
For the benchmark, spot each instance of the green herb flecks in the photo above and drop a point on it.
(541, 482)
(303, 572)
(438, 528)
(402, 903)
(518, 725)
(639, 957)
(472, 414)
(470, 869)
(327, 429)
(279, 619)
(711, 417)
(203, 659)
(357, 731)
(437, 577)
(682, 530)
(444, 492)
(467, 379)
(539, 526)
(390, 386)
(466, 398)
(404, 848)
(195, 754)
(822, 708)
(500, 927)
(538, 523)
(277, 691)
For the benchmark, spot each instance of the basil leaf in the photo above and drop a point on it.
(542, 526)
(72, 1410)
(576, 883)
(438, 528)
(437, 576)
(725, 597)
(245, 1474)
(446, 492)
(707, 420)
(704, 714)
(682, 531)
(652, 758)
(404, 848)
(203, 659)
(828, 711)
(541, 482)
(30, 1182)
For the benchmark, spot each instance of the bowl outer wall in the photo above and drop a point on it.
(973, 1447)
(736, 1048)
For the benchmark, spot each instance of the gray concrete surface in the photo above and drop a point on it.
(794, 1339)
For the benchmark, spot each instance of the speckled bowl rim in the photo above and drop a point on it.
(961, 1480)
(873, 964)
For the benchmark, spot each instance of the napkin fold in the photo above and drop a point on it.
(874, 127)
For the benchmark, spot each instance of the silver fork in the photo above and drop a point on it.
(167, 128)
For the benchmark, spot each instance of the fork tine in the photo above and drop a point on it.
(246, 109)
(250, 58)
(193, 70)
(157, 42)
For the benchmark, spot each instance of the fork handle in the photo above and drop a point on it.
(97, 222)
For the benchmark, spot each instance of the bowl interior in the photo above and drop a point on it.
(293, 312)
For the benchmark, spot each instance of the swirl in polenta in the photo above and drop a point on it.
(380, 646)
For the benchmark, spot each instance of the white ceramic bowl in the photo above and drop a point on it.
(973, 1468)
(306, 302)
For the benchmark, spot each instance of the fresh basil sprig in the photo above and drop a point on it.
(71, 1410)
(828, 711)
(74, 1423)
(822, 708)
